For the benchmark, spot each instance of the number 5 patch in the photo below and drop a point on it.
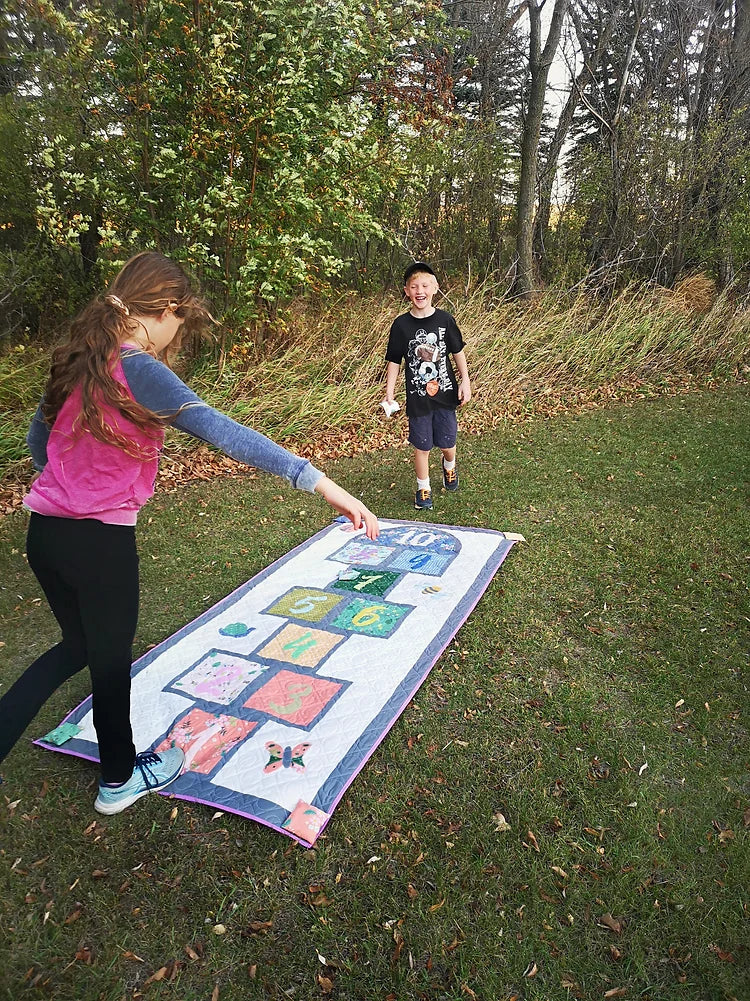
(307, 603)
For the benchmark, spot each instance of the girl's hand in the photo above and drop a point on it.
(464, 391)
(343, 502)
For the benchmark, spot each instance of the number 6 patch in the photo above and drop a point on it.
(372, 618)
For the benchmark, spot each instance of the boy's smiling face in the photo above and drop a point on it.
(420, 289)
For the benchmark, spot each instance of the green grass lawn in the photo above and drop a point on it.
(595, 701)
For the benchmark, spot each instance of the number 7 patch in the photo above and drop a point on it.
(366, 580)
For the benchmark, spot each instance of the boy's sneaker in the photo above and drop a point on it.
(151, 773)
(423, 500)
(450, 478)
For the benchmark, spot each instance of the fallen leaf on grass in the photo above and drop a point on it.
(569, 984)
(725, 957)
(616, 992)
(325, 984)
(155, 977)
(399, 940)
(84, 955)
(131, 955)
(257, 928)
(614, 924)
(215, 993)
(560, 872)
(531, 970)
(436, 907)
(501, 824)
(533, 841)
(321, 900)
(746, 817)
(168, 972)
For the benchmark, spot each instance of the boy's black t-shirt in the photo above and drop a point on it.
(424, 344)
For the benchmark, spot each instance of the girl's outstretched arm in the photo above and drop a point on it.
(343, 502)
(158, 388)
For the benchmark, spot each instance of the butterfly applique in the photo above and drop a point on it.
(287, 757)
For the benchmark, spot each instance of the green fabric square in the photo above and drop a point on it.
(366, 580)
(373, 618)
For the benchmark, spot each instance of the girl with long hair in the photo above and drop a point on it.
(95, 441)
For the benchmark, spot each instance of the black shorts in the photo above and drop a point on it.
(437, 429)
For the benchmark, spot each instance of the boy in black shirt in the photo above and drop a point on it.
(424, 338)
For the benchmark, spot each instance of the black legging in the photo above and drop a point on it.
(89, 574)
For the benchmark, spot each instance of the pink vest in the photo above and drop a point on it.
(87, 478)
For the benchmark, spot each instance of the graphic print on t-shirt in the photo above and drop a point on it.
(426, 360)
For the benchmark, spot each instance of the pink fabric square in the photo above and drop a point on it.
(206, 738)
(305, 821)
(294, 698)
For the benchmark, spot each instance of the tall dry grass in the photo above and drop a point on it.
(562, 350)
(318, 388)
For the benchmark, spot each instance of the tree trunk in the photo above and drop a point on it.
(540, 61)
(549, 172)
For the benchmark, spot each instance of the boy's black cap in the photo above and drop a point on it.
(415, 267)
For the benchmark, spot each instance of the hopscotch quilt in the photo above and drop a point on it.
(280, 693)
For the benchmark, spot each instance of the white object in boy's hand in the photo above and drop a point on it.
(390, 408)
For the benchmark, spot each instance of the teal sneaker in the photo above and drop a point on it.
(151, 773)
(423, 500)
(450, 478)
